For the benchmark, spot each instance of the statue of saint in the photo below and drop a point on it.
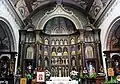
(65, 53)
(53, 52)
(91, 69)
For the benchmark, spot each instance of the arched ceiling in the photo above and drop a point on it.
(90, 8)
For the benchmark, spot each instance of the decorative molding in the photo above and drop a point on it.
(105, 12)
(59, 11)
(7, 6)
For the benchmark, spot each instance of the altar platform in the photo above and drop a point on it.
(61, 80)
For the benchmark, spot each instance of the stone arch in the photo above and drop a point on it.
(5, 25)
(113, 26)
(59, 11)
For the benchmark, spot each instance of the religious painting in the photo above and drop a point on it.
(30, 53)
(89, 51)
(40, 77)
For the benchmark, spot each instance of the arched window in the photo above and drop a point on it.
(30, 53)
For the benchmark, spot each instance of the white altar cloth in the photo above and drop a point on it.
(60, 78)
(61, 82)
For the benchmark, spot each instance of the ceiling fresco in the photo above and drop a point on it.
(90, 7)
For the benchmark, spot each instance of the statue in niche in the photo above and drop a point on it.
(52, 61)
(66, 71)
(61, 42)
(78, 39)
(73, 50)
(60, 72)
(80, 61)
(52, 72)
(40, 40)
(79, 49)
(72, 41)
(46, 51)
(39, 62)
(67, 61)
(4, 69)
(57, 42)
(89, 52)
(56, 60)
(65, 53)
(53, 52)
(46, 41)
(29, 67)
(46, 63)
(59, 52)
(65, 42)
(73, 62)
(56, 72)
(53, 42)
(63, 71)
(91, 69)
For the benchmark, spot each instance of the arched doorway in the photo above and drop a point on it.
(112, 53)
(7, 52)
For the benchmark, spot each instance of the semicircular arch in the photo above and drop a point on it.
(5, 25)
(59, 11)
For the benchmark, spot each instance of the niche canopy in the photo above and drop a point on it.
(59, 11)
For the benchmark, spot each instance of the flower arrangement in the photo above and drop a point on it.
(74, 75)
(48, 74)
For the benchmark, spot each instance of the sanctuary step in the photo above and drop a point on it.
(61, 80)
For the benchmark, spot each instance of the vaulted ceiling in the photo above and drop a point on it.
(90, 8)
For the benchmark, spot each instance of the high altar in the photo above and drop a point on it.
(61, 45)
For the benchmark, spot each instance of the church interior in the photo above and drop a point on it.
(59, 41)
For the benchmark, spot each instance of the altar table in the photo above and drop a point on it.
(61, 82)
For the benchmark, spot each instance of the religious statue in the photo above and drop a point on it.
(91, 70)
(57, 42)
(53, 42)
(53, 52)
(73, 50)
(65, 53)
(29, 67)
(46, 41)
(65, 42)
(61, 42)
(72, 41)
(46, 51)
(59, 53)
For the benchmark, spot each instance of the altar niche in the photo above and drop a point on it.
(59, 47)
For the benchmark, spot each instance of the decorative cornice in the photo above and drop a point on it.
(13, 13)
(108, 9)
